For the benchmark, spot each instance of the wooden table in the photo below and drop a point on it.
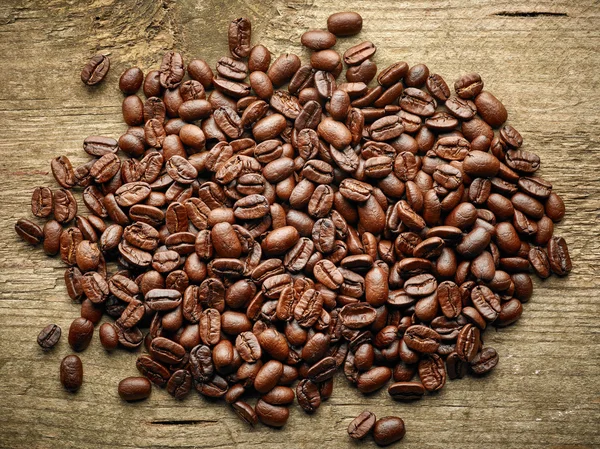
(540, 58)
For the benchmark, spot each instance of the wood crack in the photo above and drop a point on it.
(530, 14)
(182, 422)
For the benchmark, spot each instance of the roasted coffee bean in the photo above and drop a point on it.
(271, 415)
(134, 389)
(432, 372)
(558, 256)
(308, 396)
(422, 339)
(344, 23)
(269, 235)
(80, 334)
(362, 425)
(239, 37)
(95, 70)
(406, 391)
(245, 412)
(388, 430)
(108, 336)
(485, 361)
(71, 373)
(373, 379)
(49, 336)
(318, 40)
(41, 202)
(65, 206)
(29, 231)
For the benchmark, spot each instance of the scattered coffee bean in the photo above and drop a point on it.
(264, 236)
(388, 430)
(71, 373)
(95, 70)
(49, 336)
(134, 389)
(362, 425)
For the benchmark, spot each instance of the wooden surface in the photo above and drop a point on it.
(540, 58)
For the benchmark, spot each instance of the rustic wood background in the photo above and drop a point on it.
(539, 57)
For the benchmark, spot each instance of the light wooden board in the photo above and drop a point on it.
(540, 58)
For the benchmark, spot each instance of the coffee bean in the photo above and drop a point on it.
(134, 389)
(271, 415)
(484, 361)
(318, 40)
(295, 231)
(406, 391)
(344, 23)
(95, 70)
(362, 425)
(239, 37)
(131, 80)
(49, 336)
(108, 336)
(432, 372)
(71, 373)
(80, 334)
(468, 86)
(558, 256)
(388, 430)
(29, 231)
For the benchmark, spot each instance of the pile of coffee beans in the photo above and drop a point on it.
(270, 224)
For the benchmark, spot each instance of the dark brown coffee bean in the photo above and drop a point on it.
(80, 334)
(362, 425)
(468, 86)
(95, 70)
(239, 37)
(388, 430)
(437, 87)
(134, 389)
(344, 23)
(41, 202)
(373, 379)
(432, 372)
(108, 336)
(271, 415)
(29, 231)
(71, 373)
(422, 339)
(49, 336)
(65, 206)
(485, 361)
(406, 391)
(558, 256)
(131, 80)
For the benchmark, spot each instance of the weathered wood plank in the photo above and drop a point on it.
(540, 58)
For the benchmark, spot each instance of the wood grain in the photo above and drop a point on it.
(540, 58)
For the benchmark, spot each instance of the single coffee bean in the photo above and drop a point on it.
(80, 334)
(108, 336)
(95, 70)
(271, 415)
(29, 231)
(344, 23)
(485, 361)
(71, 373)
(558, 255)
(131, 80)
(49, 336)
(406, 391)
(41, 202)
(134, 389)
(388, 430)
(362, 425)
